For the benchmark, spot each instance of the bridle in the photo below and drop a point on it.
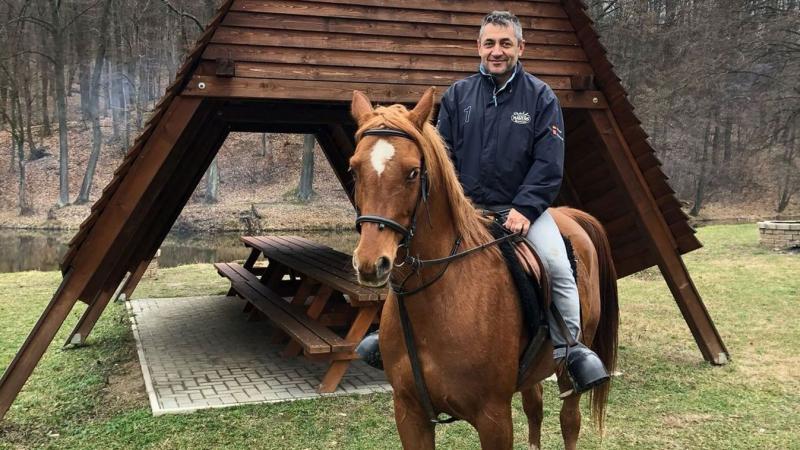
(407, 233)
(422, 197)
(416, 264)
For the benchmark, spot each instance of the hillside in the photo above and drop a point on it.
(254, 190)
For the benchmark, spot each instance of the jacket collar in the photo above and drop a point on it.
(490, 78)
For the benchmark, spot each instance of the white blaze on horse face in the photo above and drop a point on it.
(382, 153)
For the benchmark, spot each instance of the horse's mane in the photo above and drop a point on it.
(468, 223)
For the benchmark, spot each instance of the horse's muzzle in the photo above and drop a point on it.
(375, 273)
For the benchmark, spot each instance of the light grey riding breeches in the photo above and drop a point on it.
(547, 241)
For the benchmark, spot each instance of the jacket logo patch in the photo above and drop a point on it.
(521, 118)
(467, 110)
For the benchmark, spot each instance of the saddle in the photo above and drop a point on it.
(532, 282)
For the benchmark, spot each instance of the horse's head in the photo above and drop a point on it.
(389, 172)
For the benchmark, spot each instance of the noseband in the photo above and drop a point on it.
(383, 222)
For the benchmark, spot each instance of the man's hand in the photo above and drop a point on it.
(517, 223)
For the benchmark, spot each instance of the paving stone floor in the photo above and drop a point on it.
(201, 352)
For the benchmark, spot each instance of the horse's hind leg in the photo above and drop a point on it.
(570, 414)
(532, 404)
(494, 426)
(415, 429)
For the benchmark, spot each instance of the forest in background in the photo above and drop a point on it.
(716, 84)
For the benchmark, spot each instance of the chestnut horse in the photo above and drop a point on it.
(467, 324)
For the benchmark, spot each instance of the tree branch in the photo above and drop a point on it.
(183, 14)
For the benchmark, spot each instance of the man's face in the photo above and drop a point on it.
(499, 49)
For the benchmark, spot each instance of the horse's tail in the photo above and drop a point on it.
(605, 338)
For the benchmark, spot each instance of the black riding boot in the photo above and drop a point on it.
(585, 368)
(369, 350)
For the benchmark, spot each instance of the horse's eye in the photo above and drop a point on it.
(413, 174)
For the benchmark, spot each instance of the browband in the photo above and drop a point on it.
(387, 132)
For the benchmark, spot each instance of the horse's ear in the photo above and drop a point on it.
(360, 107)
(422, 112)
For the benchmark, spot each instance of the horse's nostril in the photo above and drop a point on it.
(383, 266)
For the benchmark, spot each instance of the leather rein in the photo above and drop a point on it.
(416, 264)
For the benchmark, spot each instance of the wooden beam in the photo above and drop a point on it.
(207, 86)
(403, 62)
(338, 143)
(663, 245)
(89, 258)
(546, 31)
(375, 43)
(453, 14)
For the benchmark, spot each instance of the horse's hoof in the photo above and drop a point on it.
(370, 351)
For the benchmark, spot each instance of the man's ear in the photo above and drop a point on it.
(422, 112)
(360, 107)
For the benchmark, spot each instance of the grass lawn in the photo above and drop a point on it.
(667, 396)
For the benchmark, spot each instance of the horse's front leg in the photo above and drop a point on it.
(494, 425)
(415, 429)
(533, 405)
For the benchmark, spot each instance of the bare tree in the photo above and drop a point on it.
(305, 189)
(94, 113)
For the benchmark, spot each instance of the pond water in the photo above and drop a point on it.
(22, 250)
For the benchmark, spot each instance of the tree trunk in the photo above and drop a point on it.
(18, 142)
(265, 150)
(790, 182)
(212, 182)
(305, 190)
(94, 108)
(14, 125)
(726, 140)
(115, 68)
(26, 92)
(47, 130)
(701, 176)
(84, 70)
(61, 104)
(3, 101)
(25, 208)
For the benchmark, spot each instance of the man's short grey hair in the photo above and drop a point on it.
(503, 19)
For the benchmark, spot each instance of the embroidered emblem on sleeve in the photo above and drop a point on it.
(556, 132)
(521, 118)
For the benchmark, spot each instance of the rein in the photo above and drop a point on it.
(416, 264)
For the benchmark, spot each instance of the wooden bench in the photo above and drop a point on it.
(313, 337)
(307, 291)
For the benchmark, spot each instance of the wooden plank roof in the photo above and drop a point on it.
(319, 51)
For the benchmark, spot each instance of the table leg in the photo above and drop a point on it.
(248, 265)
(357, 332)
(314, 311)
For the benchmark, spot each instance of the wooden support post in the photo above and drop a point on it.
(313, 312)
(357, 331)
(112, 227)
(89, 318)
(662, 242)
(37, 342)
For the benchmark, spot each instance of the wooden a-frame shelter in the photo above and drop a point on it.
(291, 66)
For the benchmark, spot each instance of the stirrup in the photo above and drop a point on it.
(369, 350)
(585, 368)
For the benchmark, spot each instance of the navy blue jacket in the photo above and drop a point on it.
(507, 143)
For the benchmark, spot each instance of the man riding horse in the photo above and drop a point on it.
(505, 132)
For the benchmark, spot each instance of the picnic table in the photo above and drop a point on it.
(310, 293)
